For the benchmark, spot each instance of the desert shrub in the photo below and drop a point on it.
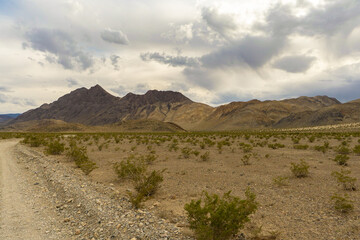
(295, 140)
(186, 152)
(34, 140)
(196, 153)
(173, 146)
(246, 159)
(341, 159)
(342, 150)
(212, 217)
(276, 145)
(81, 159)
(301, 147)
(345, 180)
(356, 150)
(280, 181)
(145, 186)
(300, 170)
(311, 138)
(55, 148)
(131, 168)
(148, 185)
(205, 157)
(246, 147)
(342, 203)
(150, 158)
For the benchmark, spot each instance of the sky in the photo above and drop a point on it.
(213, 52)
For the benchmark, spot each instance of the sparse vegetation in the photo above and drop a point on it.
(300, 170)
(81, 159)
(212, 217)
(281, 181)
(343, 178)
(55, 148)
(341, 159)
(342, 203)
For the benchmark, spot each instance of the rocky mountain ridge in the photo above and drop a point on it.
(95, 106)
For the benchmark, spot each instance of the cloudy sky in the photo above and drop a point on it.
(212, 51)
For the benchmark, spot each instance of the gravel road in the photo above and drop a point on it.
(24, 213)
(41, 198)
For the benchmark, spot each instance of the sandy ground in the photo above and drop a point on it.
(302, 209)
(24, 213)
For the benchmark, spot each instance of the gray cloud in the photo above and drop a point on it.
(114, 36)
(17, 101)
(142, 88)
(114, 61)
(72, 82)
(174, 61)
(221, 23)
(201, 77)
(254, 51)
(119, 90)
(333, 17)
(2, 98)
(65, 51)
(336, 16)
(4, 89)
(294, 64)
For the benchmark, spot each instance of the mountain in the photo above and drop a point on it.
(6, 118)
(52, 125)
(95, 106)
(258, 114)
(334, 114)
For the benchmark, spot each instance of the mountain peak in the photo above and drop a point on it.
(165, 96)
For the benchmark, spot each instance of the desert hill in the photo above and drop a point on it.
(335, 114)
(97, 107)
(258, 114)
(52, 125)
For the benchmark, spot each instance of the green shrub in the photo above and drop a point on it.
(34, 140)
(145, 187)
(301, 147)
(356, 150)
(150, 158)
(341, 159)
(205, 157)
(131, 168)
(215, 218)
(311, 138)
(300, 170)
(342, 150)
(342, 203)
(55, 148)
(280, 181)
(345, 180)
(246, 159)
(148, 185)
(81, 159)
(276, 145)
(186, 152)
(320, 148)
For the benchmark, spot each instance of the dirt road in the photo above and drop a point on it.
(41, 198)
(24, 213)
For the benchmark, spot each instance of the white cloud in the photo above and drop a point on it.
(114, 36)
(213, 51)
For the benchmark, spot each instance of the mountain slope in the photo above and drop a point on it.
(258, 114)
(335, 114)
(95, 106)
